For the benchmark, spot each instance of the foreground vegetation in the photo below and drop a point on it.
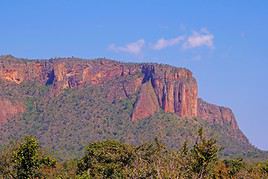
(112, 159)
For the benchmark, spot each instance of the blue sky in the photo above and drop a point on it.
(224, 43)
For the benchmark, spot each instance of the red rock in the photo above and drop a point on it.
(176, 90)
(216, 114)
(160, 86)
(220, 115)
(9, 109)
(147, 103)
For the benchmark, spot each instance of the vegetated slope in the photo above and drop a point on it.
(68, 122)
(68, 103)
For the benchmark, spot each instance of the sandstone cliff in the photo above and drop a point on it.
(175, 88)
(171, 89)
(67, 101)
(147, 103)
(9, 109)
(216, 114)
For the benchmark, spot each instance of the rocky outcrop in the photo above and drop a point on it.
(147, 103)
(19, 70)
(220, 115)
(149, 88)
(157, 86)
(175, 88)
(216, 114)
(9, 109)
(62, 72)
(177, 91)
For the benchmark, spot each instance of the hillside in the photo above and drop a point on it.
(68, 102)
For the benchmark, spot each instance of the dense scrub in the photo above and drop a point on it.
(113, 159)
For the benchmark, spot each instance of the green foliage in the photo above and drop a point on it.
(150, 160)
(65, 122)
(113, 159)
(28, 161)
(29, 103)
(106, 159)
(234, 166)
(68, 121)
(26, 158)
(7, 169)
(203, 154)
(147, 160)
(263, 167)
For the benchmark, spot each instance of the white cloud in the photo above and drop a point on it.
(163, 43)
(132, 48)
(199, 39)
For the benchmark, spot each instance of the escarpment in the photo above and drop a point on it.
(9, 109)
(147, 103)
(156, 87)
(70, 101)
(175, 89)
(216, 114)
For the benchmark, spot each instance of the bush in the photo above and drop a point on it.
(28, 160)
(106, 159)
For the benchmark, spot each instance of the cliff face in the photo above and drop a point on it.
(17, 71)
(147, 103)
(176, 90)
(220, 115)
(216, 114)
(106, 97)
(158, 87)
(9, 109)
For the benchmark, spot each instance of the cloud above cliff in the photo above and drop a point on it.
(164, 43)
(132, 48)
(199, 39)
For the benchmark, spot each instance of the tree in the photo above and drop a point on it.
(149, 160)
(107, 159)
(6, 164)
(264, 167)
(28, 159)
(185, 161)
(234, 166)
(203, 154)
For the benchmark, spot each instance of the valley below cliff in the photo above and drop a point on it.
(69, 102)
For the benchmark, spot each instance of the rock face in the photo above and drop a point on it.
(147, 103)
(220, 115)
(216, 114)
(17, 71)
(176, 90)
(9, 109)
(158, 87)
